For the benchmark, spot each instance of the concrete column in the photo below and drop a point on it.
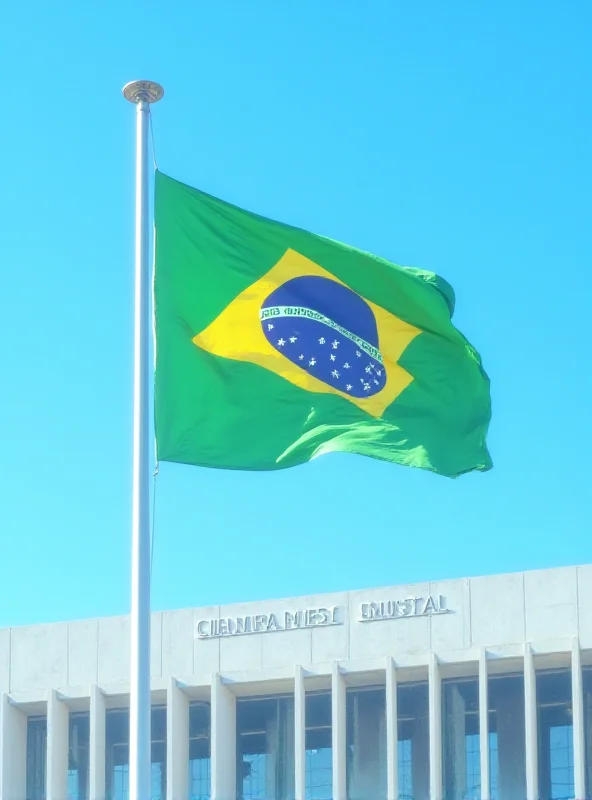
(58, 735)
(435, 727)
(392, 732)
(579, 740)
(177, 742)
(13, 751)
(223, 741)
(299, 734)
(97, 745)
(484, 724)
(338, 713)
(530, 725)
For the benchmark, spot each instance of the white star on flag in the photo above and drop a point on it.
(332, 357)
(368, 369)
(359, 355)
(335, 373)
(335, 344)
(301, 357)
(312, 362)
(270, 327)
(281, 342)
(293, 339)
(346, 365)
(349, 387)
(321, 340)
(366, 387)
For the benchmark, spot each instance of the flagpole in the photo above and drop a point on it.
(142, 94)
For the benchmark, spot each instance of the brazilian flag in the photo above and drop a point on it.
(274, 346)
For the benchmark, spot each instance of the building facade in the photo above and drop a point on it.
(476, 689)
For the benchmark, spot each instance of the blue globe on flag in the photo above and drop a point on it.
(329, 331)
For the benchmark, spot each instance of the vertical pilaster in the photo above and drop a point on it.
(579, 739)
(484, 724)
(435, 727)
(97, 744)
(177, 742)
(299, 734)
(223, 741)
(13, 751)
(392, 732)
(58, 734)
(530, 725)
(338, 708)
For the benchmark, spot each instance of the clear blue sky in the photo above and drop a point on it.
(450, 136)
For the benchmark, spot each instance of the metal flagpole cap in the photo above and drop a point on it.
(147, 91)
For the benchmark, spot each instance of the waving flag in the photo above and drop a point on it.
(274, 346)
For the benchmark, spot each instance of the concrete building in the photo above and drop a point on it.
(476, 688)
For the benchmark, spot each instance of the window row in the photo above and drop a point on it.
(265, 744)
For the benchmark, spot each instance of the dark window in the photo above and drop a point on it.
(265, 744)
(555, 728)
(78, 754)
(507, 756)
(413, 741)
(460, 723)
(199, 751)
(319, 747)
(366, 744)
(36, 757)
(117, 754)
